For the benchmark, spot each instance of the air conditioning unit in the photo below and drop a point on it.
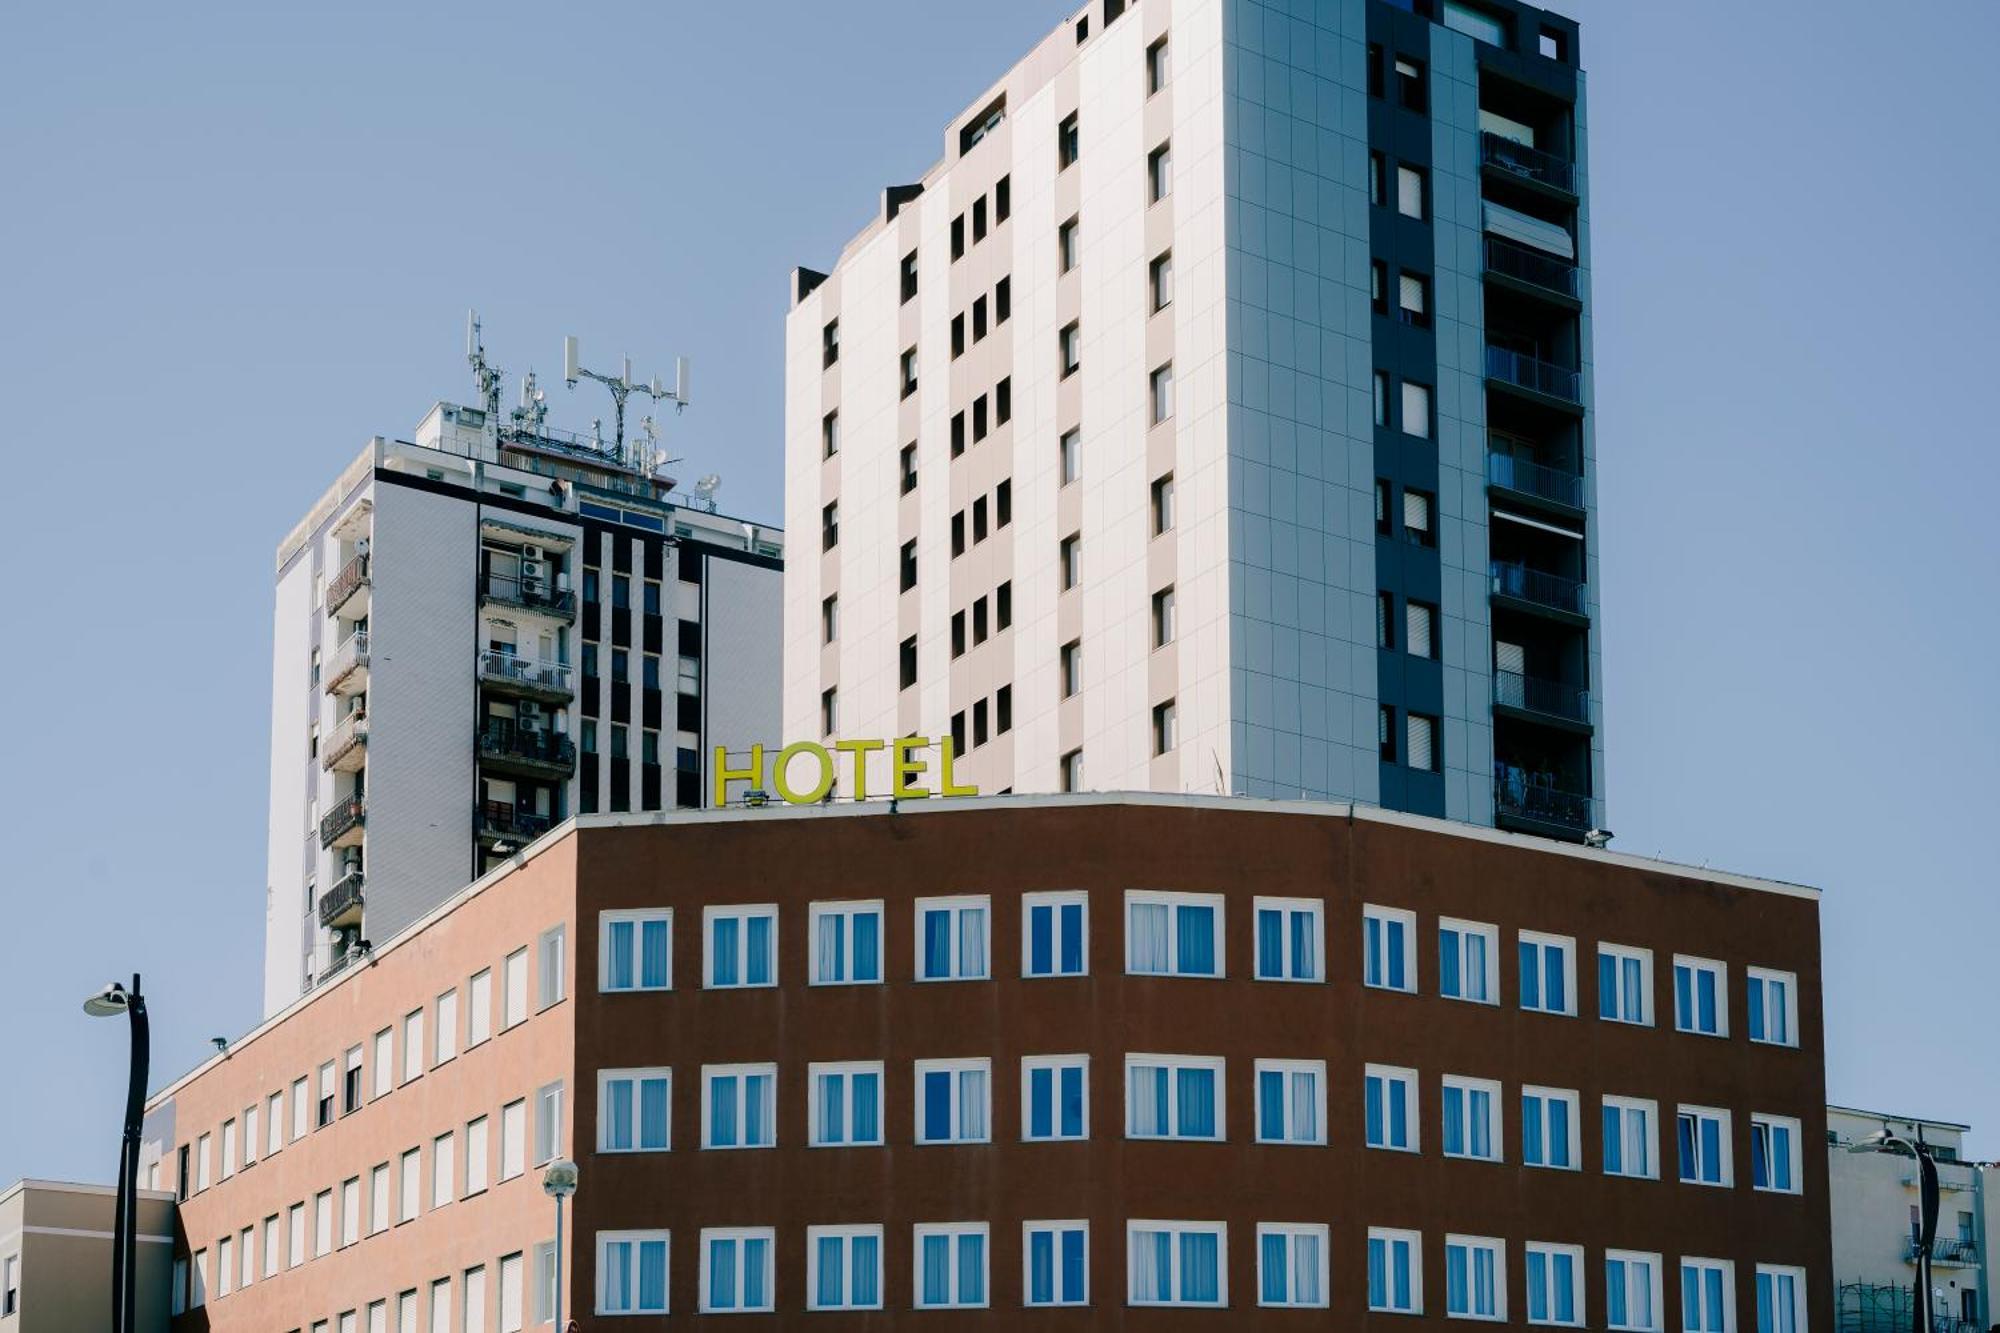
(533, 572)
(533, 553)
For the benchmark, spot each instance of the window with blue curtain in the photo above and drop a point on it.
(846, 1268)
(1465, 961)
(739, 1271)
(1172, 1100)
(1057, 1263)
(1173, 935)
(953, 943)
(632, 1111)
(1055, 931)
(1771, 1143)
(1552, 1278)
(847, 1105)
(1471, 1282)
(953, 1103)
(741, 1107)
(951, 1267)
(1630, 1281)
(1468, 1120)
(1697, 996)
(1778, 1300)
(1289, 1101)
(1391, 1269)
(1545, 969)
(846, 944)
(1770, 1008)
(637, 949)
(635, 1273)
(1291, 1265)
(1622, 985)
(1704, 1299)
(1288, 940)
(1387, 1097)
(1546, 1121)
(1200, 1262)
(1055, 1097)
(741, 946)
(1703, 1140)
(1385, 941)
(1628, 1139)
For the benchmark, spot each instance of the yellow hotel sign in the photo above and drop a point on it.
(907, 767)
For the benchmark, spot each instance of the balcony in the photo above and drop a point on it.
(1949, 1251)
(538, 595)
(345, 748)
(1531, 270)
(341, 904)
(512, 674)
(537, 752)
(1534, 481)
(352, 579)
(347, 673)
(1569, 598)
(342, 826)
(1545, 700)
(1544, 172)
(1543, 379)
(1533, 804)
(503, 821)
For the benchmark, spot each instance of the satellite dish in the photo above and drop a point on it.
(709, 484)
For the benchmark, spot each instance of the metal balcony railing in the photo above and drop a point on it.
(345, 815)
(1524, 795)
(349, 732)
(347, 582)
(504, 740)
(352, 653)
(1534, 374)
(1533, 585)
(534, 594)
(1515, 473)
(342, 898)
(1945, 1250)
(1532, 164)
(1508, 260)
(513, 669)
(504, 817)
(1532, 694)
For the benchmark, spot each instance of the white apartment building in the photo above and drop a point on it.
(479, 633)
(1122, 468)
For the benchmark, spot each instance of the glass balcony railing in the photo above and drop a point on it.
(1534, 798)
(1514, 473)
(1528, 372)
(1532, 694)
(1508, 260)
(1530, 164)
(1517, 581)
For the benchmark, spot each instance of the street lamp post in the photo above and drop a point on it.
(559, 1182)
(1923, 1225)
(113, 1000)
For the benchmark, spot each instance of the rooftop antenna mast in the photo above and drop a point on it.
(623, 386)
(487, 375)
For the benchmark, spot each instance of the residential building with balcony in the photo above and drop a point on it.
(1875, 1196)
(480, 632)
(1111, 1061)
(1216, 415)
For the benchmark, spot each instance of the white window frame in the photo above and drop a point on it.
(229, 1142)
(1726, 1177)
(1215, 902)
(381, 1199)
(1541, 942)
(445, 1039)
(204, 1154)
(1220, 1230)
(479, 1008)
(1408, 179)
(604, 1240)
(742, 914)
(638, 920)
(848, 910)
(1289, 1070)
(1483, 930)
(1548, 1251)
(1619, 955)
(1408, 921)
(955, 1233)
(295, 1235)
(1317, 1232)
(273, 1246)
(1649, 1111)
(1055, 1229)
(513, 1139)
(350, 1212)
(1768, 977)
(444, 1169)
(957, 905)
(1697, 967)
(1412, 1113)
(548, 1126)
(636, 1076)
(1287, 908)
(301, 1109)
(1173, 1064)
(1760, 1120)
(551, 967)
(1496, 1129)
(737, 1074)
(323, 1234)
(274, 1123)
(956, 1067)
(1054, 901)
(382, 1064)
(1704, 1265)
(1573, 1142)
(1055, 1064)
(845, 1069)
(847, 1234)
(1415, 1240)
(737, 1236)
(410, 1184)
(1797, 1323)
(1632, 1260)
(1494, 1246)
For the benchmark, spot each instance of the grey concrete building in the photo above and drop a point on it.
(55, 1258)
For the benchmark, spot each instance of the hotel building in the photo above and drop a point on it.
(1065, 1061)
(1215, 416)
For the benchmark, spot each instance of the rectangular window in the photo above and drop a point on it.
(1173, 934)
(378, 1199)
(1072, 762)
(410, 1185)
(1774, 1154)
(1549, 1128)
(846, 1109)
(1701, 1133)
(737, 1275)
(479, 1008)
(1069, 557)
(1291, 1265)
(742, 946)
(1388, 948)
(1166, 727)
(1419, 628)
(473, 1286)
(1055, 935)
(444, 1156)
(846, 943)
(1395, 1271)
(274, 1123)
(350, 1211)
(446, 1037)
(829, 526)
(228, 1149)
(1555, 1282)
(1159, 69)
(1163, 504)
(1708, 1296)
(1174, 1097)
(1466, 950)
(829, 435)
(1781, 1299)
(1069, 345)
(1163, 617)
(949, 1265)
(844, 1268)
(909, 275)
(1475, 1277)
(513, 1139)
(1471, 1118)
(953, 939)
(1417, 410)
(1160, 173)
(1055, 1097)
(322, 1224)
(1066, 245)
(954, 1101)
(1630, 1141)
(1072, 456)
(631, 1272)
(1160, 281)
(906, 663)
(514, 989)
(909, 469)
(1631, 1291)
(635, 950)
(1771, 1006)
(1067, 142)
(295, 1235)
(1389, 1108)
(1413, 300)
(1548, 973)
(1625, 984)
(1176, 1263)
(1377, 179)
(1291, 1101)
(273, 1242)
(634, 1110)
(1163, 393)
(1290, 939)
(1055, 1263)
(548, 1122)
(1420, 738)
(909, 376)
(350, 1082)
(1701, 996)
(829, 343)
(739, 1106)
(1410, 192)
(1410, 84)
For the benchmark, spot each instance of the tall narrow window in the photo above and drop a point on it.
(1160, 172)
(1410, 192)
(1163, 617)
(1162, 281)
(829, 434)
(1159, 66)
(1070, 346)
(1163, 393)
(1068, 145)
(1066, 245)
(1774, 1154)
(1163, 504)
(1771, 1009)
(1701, 991)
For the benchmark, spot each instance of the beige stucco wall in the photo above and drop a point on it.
(61, 1234)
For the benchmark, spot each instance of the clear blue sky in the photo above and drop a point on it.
(240, 239)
